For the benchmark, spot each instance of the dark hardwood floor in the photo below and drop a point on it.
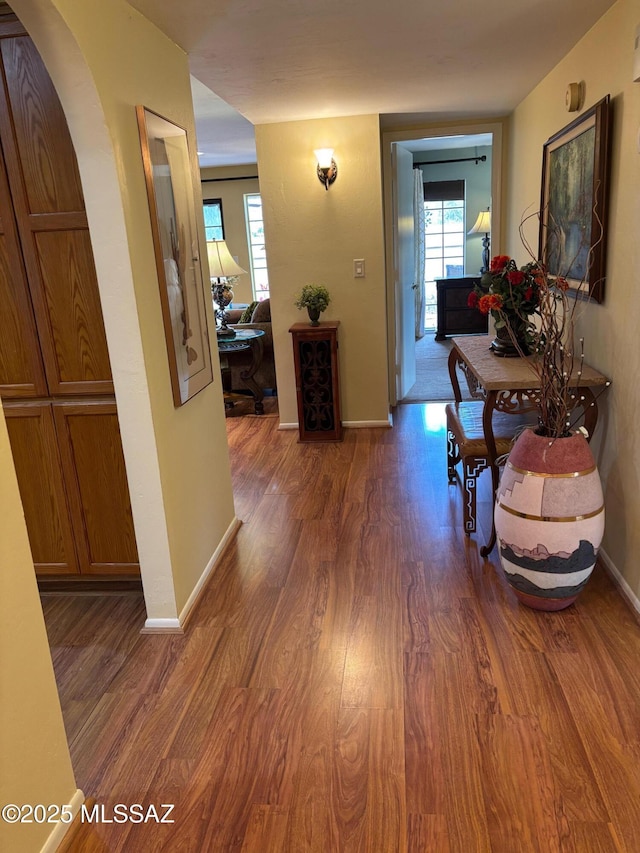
(355, 676)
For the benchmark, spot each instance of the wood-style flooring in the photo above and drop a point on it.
(355, 676)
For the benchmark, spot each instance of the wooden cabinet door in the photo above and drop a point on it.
(38, 466)
(21, 369)
(94, 472)
(52, 227)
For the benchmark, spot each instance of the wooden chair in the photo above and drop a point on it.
(465, 435)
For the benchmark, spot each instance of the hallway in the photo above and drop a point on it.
(355, 676)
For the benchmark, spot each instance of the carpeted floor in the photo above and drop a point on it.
(432, 374)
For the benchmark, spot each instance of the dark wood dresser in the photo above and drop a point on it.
(454, 315)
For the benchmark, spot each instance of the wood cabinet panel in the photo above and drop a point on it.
(34, 446)
(315, 353)
(44, 150)
(21, 369)
(91, 452)
(69, 306)
(52, 340)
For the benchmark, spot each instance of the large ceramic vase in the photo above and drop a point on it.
(549, 518)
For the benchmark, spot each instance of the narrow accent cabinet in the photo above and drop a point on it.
(315, 353)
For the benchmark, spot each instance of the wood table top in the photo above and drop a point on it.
(495, 373)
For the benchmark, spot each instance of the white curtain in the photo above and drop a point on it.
(418, 280)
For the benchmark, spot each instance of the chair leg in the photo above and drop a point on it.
(453, 457)
(472, 466)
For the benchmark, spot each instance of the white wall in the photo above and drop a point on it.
(603, 60)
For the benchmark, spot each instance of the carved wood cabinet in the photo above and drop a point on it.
(55, 374)
(315, 353)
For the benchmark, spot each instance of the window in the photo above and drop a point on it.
(213, 225)
(443, 238)
(257, 254)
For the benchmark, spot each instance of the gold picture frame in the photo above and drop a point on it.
(169, 180)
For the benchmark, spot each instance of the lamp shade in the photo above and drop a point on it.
(221, 263)
(482, 224)
(324, 157)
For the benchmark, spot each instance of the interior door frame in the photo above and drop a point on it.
(497, 128)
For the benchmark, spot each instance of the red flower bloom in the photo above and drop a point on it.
(489, 302)
(472, 300)
(499, 262)
(562, 283)
(515, 277)
(528, 294)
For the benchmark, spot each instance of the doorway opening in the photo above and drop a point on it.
(463, 165)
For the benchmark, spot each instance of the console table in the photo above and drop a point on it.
(315, 353)
(454, 317)
(505, 383)
(246, 339)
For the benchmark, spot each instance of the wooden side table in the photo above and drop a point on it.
(245, 339)
(315, 352)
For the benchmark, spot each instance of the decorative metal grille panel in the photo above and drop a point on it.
(317, 385)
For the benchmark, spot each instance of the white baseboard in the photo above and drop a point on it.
(60, 830)
(162, 626)
(367, 424)
(352, 424)
(625, 590)
(228, 537)
(176, 626)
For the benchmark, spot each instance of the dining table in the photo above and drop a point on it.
(511, 385)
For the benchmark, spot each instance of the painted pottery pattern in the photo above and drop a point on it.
(549, 518)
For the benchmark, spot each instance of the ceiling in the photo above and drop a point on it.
(284, 60)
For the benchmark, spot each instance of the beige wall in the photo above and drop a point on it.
(313, 236)
(176, 459)
(603, 59)
(235, 229)
(35, 766)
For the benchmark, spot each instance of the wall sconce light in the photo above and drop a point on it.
(327, 169)
(482, 225)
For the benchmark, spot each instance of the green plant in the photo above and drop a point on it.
(313, 296)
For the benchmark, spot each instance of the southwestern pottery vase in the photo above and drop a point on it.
(549, 517)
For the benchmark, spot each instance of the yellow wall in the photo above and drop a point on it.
(189, 504)
(35, 766)
(235, 229)
(313, 236)
(603, 59)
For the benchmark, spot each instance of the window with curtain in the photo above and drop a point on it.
(443, 238)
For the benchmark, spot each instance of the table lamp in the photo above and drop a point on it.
(482, 225)
(222, 267)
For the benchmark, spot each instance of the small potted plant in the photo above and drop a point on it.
(315, 298)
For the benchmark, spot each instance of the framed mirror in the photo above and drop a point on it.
(167, 170)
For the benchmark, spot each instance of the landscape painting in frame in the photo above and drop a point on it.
(169, 180)
(573, 220)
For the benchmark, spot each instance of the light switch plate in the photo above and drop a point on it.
(358, 268)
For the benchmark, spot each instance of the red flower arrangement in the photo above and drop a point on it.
(509, 293)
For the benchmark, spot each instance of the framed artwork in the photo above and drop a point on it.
(169, 180)
(573, 220)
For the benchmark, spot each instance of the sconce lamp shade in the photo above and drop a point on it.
(327, 169)
(221, 263)
(482, 224)
(324, 156)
